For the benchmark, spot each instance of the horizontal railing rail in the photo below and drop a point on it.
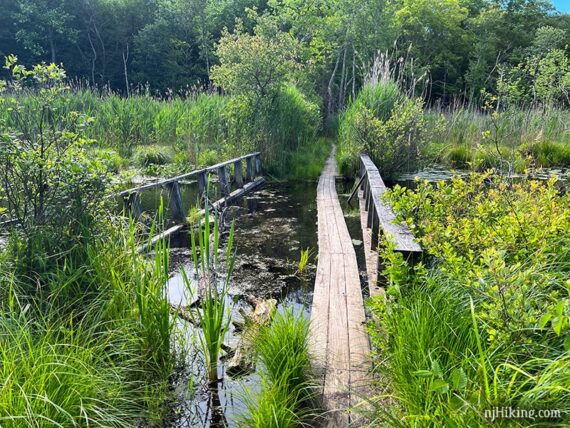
(252, 169)
(132, 199)
(381, 217)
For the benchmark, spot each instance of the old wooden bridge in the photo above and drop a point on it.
(232, 184)
(338, 336)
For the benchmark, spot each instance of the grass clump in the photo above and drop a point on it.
(288, 389)
(146, 156)
(214, 314)
(548, 154)
(60, 373)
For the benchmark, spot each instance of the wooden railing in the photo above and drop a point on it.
(381, 217)
(132, 200)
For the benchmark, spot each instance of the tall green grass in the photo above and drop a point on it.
(527, 138)
(96, 349)
(287, 397)
(195, 131)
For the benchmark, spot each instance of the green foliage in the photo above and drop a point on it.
(389, 127)
(468, 139)
(255, 65)
(49, 181)
(287, 385)
(543, 80)
(145, 156)
(485, 321)
(214, 315)
(548, 154)
(60, 373)
(96, 347)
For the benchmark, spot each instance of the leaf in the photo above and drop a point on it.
(567, 343)
(458, 379)
(440, 386)
(436, 369)
(544, 320)
(423, 373)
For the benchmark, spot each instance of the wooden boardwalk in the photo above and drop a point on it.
(338, 337)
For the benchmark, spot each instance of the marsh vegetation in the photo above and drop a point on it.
(97, 95)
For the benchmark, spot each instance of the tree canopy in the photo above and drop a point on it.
(463, 46)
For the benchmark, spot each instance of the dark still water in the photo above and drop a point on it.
(272, 226)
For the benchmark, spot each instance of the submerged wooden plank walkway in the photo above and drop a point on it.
(338, 337)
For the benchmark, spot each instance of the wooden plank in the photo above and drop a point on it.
(175, 202)
(250, 175)
(188, 175)
(399, 233)
(236, 194)
(258, 164)
(202, 182)
(134, 205)
(370, 253)
(223, 183)
(337, 314)
(238, 173)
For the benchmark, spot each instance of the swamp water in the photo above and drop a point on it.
(272, 226)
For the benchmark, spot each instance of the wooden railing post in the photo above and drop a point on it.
(223, 181)
(375, 230)
(202, 182)
(369, 208)
(134, 205)
(175, 201)
(258, 164)
(250, 175)
(238, 173)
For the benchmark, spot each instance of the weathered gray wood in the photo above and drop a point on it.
(202, 182)
(338, 338)
(223, 181)
(403, 239)
(355, 190)
(370, 253)
(238, 173)
(213, 168)
(258, 164)
(236, 194)
(175, 202)
(250, 175)
(243, 360)
(134, 205)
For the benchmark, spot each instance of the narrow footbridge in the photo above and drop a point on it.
(338, 333)
(235, 178)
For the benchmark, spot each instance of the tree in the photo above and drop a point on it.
(255, 65)
(42, 24)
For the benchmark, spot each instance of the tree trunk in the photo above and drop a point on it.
(342, 88)
(329, 87)
(125, 60)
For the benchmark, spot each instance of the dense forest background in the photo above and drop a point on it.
(451, 49)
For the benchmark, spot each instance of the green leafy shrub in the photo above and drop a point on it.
(497, 253)
(391, 128)
(111, 159)
(52, 187)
